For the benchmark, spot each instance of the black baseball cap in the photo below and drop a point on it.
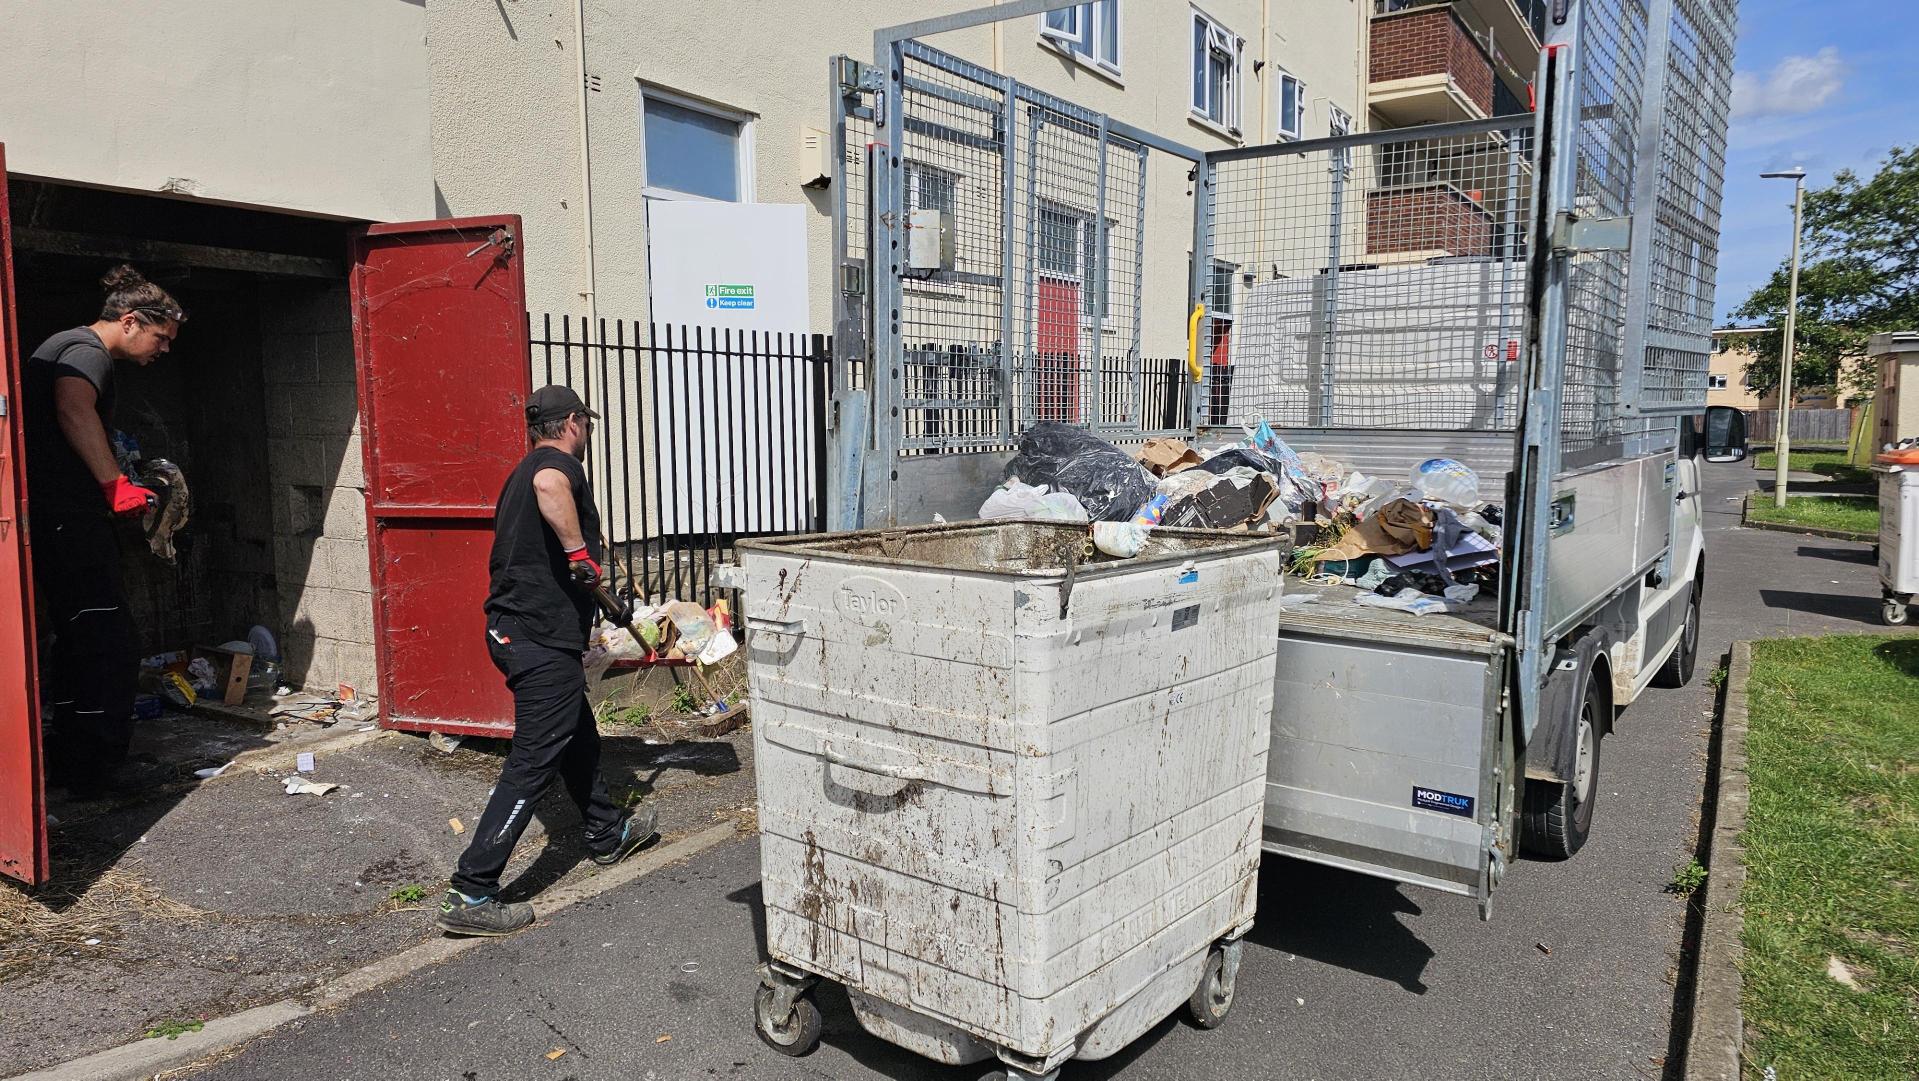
(554, 402)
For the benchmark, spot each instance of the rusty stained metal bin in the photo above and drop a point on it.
(1010, 794)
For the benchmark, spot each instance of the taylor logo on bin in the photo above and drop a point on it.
(869, 601)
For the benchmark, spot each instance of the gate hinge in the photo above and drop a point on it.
(855, 76)
(1573, 235)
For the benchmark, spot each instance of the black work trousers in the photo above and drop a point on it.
(553, 734)
(93, 673)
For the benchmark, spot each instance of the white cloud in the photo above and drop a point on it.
(1795, 86)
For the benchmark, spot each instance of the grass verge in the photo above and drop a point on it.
(1826, 463)
(1831, 900)
(1853, 513)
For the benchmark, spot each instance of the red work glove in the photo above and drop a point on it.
(126, 498)
(581, 565)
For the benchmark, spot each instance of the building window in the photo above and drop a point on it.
(1216, 57)
(1292, 108)
(1087, 32)
(1070, 250)
(928, 188)
(1715, 382)
(692, 151)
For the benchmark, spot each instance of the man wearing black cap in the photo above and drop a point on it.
(545, 563)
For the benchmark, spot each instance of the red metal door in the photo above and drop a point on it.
(439, 323)
(1056, 390)
(23, 805)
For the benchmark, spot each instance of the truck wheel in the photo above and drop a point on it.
(1559, 814)
(1677, 671)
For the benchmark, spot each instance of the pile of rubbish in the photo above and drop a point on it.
(183, 677)
(1424, 544)
(677, 632)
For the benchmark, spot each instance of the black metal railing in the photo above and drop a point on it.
(706, 436)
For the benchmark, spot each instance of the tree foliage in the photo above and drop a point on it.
(1859, 274)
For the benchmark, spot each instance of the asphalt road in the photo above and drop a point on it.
(1345, 977)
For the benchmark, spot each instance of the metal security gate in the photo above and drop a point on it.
(1027, 304)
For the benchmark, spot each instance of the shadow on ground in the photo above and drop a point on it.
(1830, 605)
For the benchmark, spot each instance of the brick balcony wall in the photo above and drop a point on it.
(1431, 41)
(1434, 217)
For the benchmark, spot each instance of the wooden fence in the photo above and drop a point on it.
(1808, 425)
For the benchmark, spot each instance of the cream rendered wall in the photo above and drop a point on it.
(506, 139)
(318, 107)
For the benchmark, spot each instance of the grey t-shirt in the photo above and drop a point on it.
(58, 482)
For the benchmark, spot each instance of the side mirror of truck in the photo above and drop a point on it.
(1725, 434)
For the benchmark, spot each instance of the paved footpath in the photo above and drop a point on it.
(1346, 977)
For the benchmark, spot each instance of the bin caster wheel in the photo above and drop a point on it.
(1893, 614)
(795, 1034)
(1213, 999)
(1014, 1073)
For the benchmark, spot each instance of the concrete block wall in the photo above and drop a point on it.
(1431, 41)
(319, 500)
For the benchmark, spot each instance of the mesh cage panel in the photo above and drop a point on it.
(1039, 317)
(1611, 67)
(1684, 259)
(1370, 282)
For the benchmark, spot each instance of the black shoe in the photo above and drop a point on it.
(636, 828)
(486, 916)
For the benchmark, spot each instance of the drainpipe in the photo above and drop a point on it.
(999, 42)
(1265, 67)
(586, 163)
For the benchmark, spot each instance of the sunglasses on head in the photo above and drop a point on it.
(161, 311)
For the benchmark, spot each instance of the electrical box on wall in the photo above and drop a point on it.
(816, 157)
(929, 240)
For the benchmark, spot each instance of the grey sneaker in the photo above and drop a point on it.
(636, 829)
(461, 915)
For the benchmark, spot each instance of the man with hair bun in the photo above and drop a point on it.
(74, 487)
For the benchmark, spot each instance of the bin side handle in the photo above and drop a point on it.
(776, 626)
(899, 773)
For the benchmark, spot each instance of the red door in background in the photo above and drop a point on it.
(1056, 369)
(23, 807)
(439, 324)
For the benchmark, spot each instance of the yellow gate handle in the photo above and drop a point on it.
(1192, 341)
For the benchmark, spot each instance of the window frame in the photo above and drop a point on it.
(745, 186)
(1081, 275)
(1229, 119)
(1724, 381)
(1082, 42)
(1297, 131)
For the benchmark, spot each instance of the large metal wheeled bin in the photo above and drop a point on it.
(1010, 789)
(1898, 533)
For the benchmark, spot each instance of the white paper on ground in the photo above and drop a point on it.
(1407, 600)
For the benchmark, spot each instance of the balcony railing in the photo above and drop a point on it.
(1530, 12)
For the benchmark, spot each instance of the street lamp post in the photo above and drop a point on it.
(1782, 440)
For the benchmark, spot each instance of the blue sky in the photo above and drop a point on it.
(1823, 84)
